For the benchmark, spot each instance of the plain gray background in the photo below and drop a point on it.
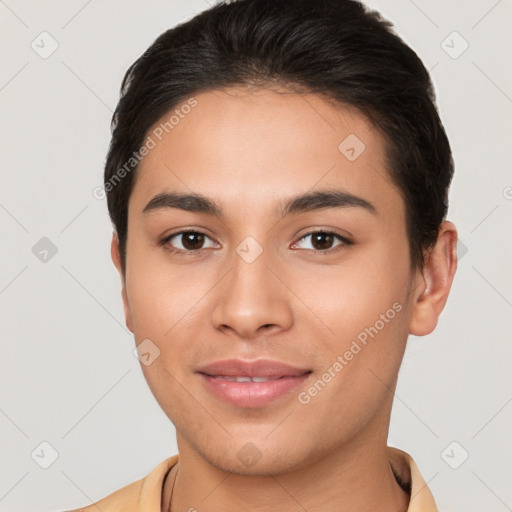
(68, 374)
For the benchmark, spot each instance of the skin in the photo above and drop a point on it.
(248, 150)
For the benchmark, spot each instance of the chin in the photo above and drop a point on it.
(256, 458)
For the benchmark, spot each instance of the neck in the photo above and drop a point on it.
(354, 478)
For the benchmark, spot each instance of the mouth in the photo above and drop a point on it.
(251, 384)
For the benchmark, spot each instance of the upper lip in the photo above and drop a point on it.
(258, 368)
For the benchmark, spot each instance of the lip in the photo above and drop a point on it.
(219, 376)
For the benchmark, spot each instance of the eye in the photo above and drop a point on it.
(192, 242)
(187, 242)
(322, 241)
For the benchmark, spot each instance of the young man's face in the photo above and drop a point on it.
(255, 290)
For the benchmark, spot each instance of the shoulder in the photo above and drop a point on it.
(142, 495)
(125, 498)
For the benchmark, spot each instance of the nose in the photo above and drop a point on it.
(251, 301)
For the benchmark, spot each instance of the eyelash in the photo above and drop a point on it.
(345, 242)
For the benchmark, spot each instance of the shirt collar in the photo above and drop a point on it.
(409, 477)
(145, 495)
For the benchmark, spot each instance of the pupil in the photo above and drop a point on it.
(317, 241)
(190, 243)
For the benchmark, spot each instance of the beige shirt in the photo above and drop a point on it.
(145, 495)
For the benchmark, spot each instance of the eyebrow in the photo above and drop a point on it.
(302, 203)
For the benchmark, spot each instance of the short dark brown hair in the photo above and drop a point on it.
(336, 48)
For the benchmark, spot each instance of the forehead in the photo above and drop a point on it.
(250, 147)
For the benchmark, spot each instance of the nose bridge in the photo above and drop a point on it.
(250, 276)
(251, 296)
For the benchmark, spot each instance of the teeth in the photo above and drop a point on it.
(244, 378)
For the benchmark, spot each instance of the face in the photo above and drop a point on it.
(280, 320)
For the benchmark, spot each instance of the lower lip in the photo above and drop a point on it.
(252, 394)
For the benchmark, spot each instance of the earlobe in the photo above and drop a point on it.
(435, 281)
(116, 259)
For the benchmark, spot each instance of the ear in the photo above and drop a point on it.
(116, 258)
(433, 283)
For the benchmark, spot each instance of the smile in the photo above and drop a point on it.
(251, 384)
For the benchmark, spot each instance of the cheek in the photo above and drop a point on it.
(353, 296)
(360, 361)
(160, 297)
(165, 385)
(365, 307)
(167, 306)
